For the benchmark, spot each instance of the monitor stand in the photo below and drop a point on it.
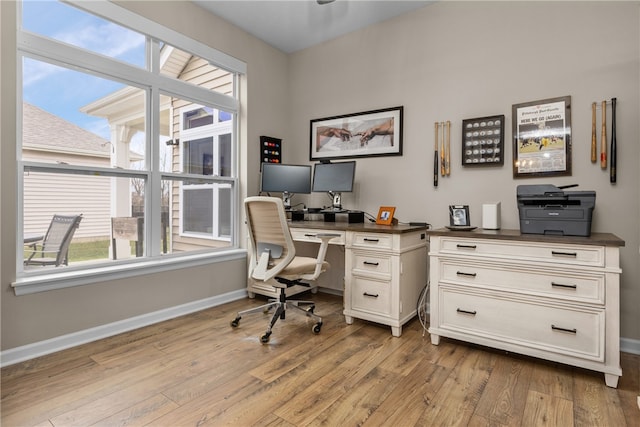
(286, 200)
(336, 206)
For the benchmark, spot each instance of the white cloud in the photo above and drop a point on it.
(106, 38)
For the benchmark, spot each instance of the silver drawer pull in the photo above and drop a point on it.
(370, 295)
(371, 263)
(558, 328)
(462, 273)
(562, 285)
(366, 239)
(459, 310)
(459, 246)
(559, 253)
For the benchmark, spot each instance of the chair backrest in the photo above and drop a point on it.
(59, 235)
(268, 227)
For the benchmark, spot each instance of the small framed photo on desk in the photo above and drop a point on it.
(385, 215)
(459, 215)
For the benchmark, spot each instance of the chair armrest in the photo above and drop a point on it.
(322, 251)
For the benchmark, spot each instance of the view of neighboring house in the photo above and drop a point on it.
(200, 141)
(49, 138)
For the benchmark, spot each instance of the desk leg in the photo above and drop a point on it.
(435, 339)
(396, 332)
(348, 319)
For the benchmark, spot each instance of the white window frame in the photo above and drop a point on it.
(48, 50)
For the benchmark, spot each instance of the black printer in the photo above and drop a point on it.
(547, 209)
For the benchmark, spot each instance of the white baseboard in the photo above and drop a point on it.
(31, 351)
(630, 346)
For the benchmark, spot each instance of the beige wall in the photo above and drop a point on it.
(458, 60)
(34, 318)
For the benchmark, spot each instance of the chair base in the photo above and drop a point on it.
(281, 305)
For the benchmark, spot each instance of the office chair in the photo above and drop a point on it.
(274, 261)
(54, 249)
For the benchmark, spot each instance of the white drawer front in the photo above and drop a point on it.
(567, 285)
(371, 296)
(565, 330)
(373, 240)
(364, 262)
(525, 251)
(309, 235)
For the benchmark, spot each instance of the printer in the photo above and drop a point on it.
(547, 209)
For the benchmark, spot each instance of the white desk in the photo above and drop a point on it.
(385, 269)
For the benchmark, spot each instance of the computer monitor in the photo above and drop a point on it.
(286, 179)
(334, 178)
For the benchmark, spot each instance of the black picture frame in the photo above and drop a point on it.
(542, 138)
(483, 141)
(459, 216)
(365, 134)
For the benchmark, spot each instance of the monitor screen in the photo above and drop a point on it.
(280, 178)
(334, 177)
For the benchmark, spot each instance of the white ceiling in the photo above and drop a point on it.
(291, 25)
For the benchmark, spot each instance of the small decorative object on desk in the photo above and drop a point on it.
(459, 218)
(385, 215)
(483, 141)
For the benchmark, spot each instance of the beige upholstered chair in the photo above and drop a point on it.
(274, 261)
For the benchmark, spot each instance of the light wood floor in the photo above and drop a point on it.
(197, 370)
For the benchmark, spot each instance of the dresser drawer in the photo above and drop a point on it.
(574, 331)
(364, 262)
(566, 285)
(524, 251)
(371, 296)
(309, 235)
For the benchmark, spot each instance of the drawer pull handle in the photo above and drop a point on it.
(459, 246)
(309, 235)
(371, 263)
(370, 295)
(366, 239)
(459, 310)
(559, 253)
(462, 273)
(562, 285)
(558, 328)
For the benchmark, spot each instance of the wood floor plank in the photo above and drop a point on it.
(547, 410)
(553, 379)
(142, 413)
(594, 403)
(503, 399)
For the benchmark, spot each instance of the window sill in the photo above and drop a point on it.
(67, 279)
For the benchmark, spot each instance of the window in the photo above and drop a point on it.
(206, 140)
(121, 123)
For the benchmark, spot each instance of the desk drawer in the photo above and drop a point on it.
(373, 240)
(524, 251)
(309, 235)
(370, 263)
(371, 296)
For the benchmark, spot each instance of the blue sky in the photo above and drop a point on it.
(62, 91)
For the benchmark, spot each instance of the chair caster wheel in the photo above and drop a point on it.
(316, 328)
(311, 309)
(265, 338)
(235, 322)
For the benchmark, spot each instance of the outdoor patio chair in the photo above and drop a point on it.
(54, 248)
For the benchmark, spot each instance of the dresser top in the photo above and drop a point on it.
(598, 239)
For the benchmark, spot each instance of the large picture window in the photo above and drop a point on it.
(127, 128)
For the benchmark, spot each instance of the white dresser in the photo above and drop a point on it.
(551, 297)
